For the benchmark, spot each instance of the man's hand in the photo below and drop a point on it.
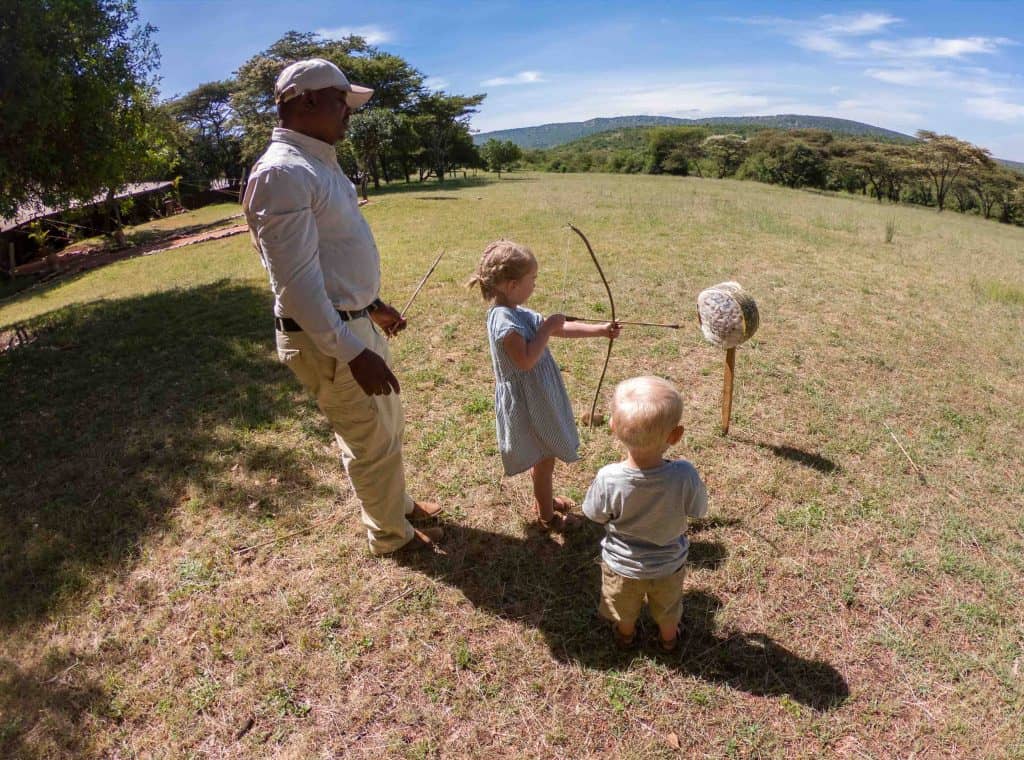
(388, 319)
(373, 374)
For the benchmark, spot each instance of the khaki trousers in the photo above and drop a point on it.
(622, 598)
(368, 430)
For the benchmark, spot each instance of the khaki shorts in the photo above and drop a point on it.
(622, 598)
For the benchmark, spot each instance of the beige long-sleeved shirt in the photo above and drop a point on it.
(304, 218)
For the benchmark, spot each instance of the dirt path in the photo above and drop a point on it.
(76, 261)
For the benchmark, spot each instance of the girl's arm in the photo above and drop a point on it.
(588, 330)
(523, 353)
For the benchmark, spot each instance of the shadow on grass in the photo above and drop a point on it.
(399, 187)
(26, 695)
(122, 411)
(553, 588)
(817, 462)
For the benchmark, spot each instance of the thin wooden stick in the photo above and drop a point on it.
(917, 469)
(730, 371)
(623, 322)
(307, 529)
(422, 283)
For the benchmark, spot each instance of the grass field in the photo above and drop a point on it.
(840, 603)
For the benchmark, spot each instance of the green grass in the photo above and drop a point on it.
(836, 603)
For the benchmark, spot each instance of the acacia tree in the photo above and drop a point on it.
(943, 158)
(370, 133)
(500, 154)
(212, 144)
(442, 122)
(396, 85)
(76, 100)
(673, 150)
(726, 153)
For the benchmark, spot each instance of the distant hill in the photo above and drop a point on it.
(1017, 166)
(550, 135)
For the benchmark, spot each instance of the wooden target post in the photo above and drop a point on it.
(728, 317)
(730, 370)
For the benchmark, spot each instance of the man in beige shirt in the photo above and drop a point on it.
(324, 269)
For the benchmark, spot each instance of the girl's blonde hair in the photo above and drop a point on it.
(644, 411)
(503, 260)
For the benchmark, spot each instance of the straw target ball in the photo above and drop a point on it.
(727, 314)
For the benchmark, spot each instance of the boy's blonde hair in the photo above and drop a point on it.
(503, 260)
(644, 411)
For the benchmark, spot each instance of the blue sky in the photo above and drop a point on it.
(952, 67)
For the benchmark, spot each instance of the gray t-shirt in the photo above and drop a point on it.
(645, 515)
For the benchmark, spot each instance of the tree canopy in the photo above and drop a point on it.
(76, 100)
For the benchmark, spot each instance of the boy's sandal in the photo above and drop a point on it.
(623, 642)
(668, 647)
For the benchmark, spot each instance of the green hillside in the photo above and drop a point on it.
(550, 135)
(1017, 166)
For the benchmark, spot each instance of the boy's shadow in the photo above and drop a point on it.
(555, 589)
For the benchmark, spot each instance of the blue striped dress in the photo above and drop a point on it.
(534, 416)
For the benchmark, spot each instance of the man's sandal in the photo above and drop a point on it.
(427, 538)
(424, 510)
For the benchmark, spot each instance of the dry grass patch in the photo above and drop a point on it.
(837, 604)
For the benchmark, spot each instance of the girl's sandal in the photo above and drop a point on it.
(558, 523)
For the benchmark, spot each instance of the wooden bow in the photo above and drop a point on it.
(611, 302)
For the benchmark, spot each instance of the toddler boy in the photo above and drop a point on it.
(644, 502)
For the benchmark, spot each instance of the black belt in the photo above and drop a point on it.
(286, 324)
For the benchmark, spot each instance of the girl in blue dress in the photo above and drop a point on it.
(534, 417)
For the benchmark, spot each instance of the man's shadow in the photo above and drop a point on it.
(554, 588)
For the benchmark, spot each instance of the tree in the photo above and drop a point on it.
(397, 86)
(672, 150)
(726, 153)
(75, 99)
(500, 154)
(406, 146)
(442, 122)
(943, 158)
(212, 146)
(794, 159)
(370, 133)
(990, 186)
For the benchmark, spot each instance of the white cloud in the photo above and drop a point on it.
(937, 47)
(864, 23)
(996, 109)
(841, 37)
(523, 77)
(820, 42)
(978, 81)
(374, 35)
(436, 84)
